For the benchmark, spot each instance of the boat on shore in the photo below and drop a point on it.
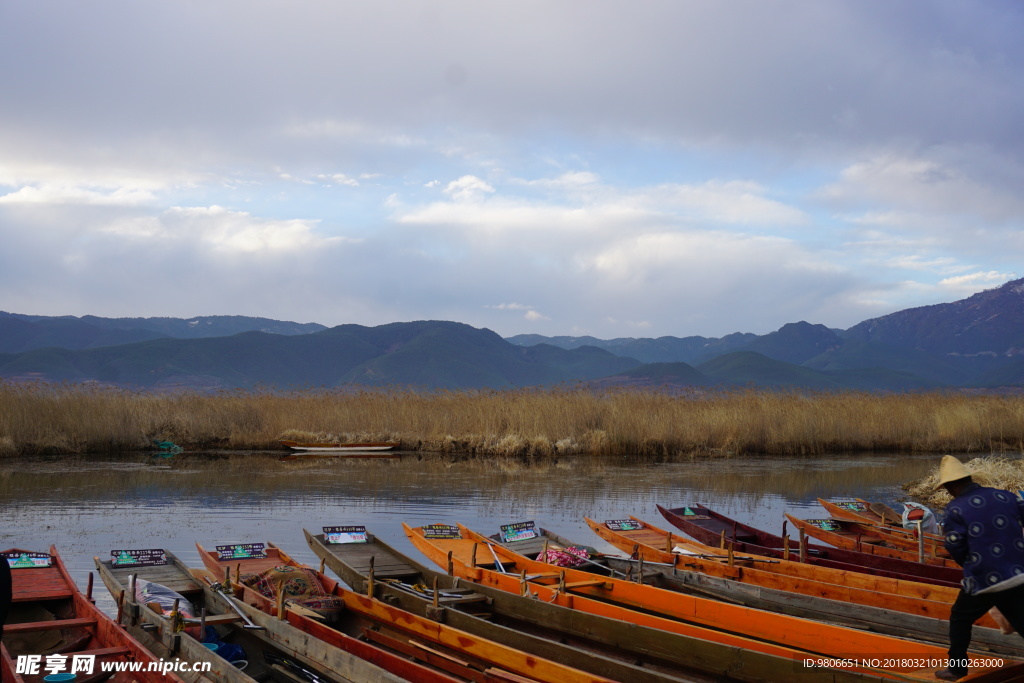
(710, 528)
(176, 614)
(335, 448)
(411, 646)
(478, 559)
(608, 647)
(50, 618)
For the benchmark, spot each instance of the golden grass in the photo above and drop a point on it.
(997, 472)
(523, 424)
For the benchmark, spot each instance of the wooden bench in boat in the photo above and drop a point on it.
(49, 625)
(42, 583)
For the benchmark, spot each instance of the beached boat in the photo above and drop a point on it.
(341, 448)
(710, 528)
(211, 627)
(479, 559)
(589, 643)
(51, 619)
(843, 533)
(435, 651)
(640, 539)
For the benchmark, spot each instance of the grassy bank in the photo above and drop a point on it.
(528, 423)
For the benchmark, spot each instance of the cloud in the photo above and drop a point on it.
(468, 188)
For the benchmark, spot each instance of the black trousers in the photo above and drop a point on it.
(969, 608)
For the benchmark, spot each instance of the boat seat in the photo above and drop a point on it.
(52, 625)
(462, 599)
(585, 584)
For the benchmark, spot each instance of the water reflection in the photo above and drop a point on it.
(89, 505)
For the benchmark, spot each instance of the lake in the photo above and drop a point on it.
(89, 505)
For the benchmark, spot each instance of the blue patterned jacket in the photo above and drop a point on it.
(984, 531)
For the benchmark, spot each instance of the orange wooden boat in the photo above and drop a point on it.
(396, 634)
(651, 543)
(50, 617)
(849, 535)
(477, 558)
(874, 524)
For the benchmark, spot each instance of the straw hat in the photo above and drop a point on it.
(951, 469)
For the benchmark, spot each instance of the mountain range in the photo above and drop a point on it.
(976, 343)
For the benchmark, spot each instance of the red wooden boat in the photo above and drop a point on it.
(708, 527)
(50, 617)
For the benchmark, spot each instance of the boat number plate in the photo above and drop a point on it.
(150, 557)
(623, 524)
(826, 524)
(242, 551)
(441, 531)
(854, 505)
(520, 531)
(24, 560)
(337, 535)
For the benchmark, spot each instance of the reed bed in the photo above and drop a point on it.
(523, 424)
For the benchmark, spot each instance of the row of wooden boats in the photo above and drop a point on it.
(724, 602)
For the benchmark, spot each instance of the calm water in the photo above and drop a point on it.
(89, 505)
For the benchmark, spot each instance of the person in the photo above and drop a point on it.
(984, 533)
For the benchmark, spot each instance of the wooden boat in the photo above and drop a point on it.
(49, 616)
(761, 632)
(584, 642)
(272, 649)
(851, 615)
(652, 544)
(340, 447)
(710, 527)
(663, 575)
(849, 535)
(435, 651)
(860, 511)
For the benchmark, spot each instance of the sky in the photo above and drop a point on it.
(560, 168)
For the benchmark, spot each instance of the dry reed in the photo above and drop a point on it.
(998, 472)
(522, 424)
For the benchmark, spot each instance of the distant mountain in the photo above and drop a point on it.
(25, 332)
(428, 354)
(988, 323)
(664, 376)
(974, 343)
(749, 368)
(647, 350)
(795, 342)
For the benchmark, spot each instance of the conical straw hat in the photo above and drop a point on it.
(951, 469)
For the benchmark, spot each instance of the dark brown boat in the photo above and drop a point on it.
(708, 527)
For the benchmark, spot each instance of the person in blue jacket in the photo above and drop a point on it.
(984, 533)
